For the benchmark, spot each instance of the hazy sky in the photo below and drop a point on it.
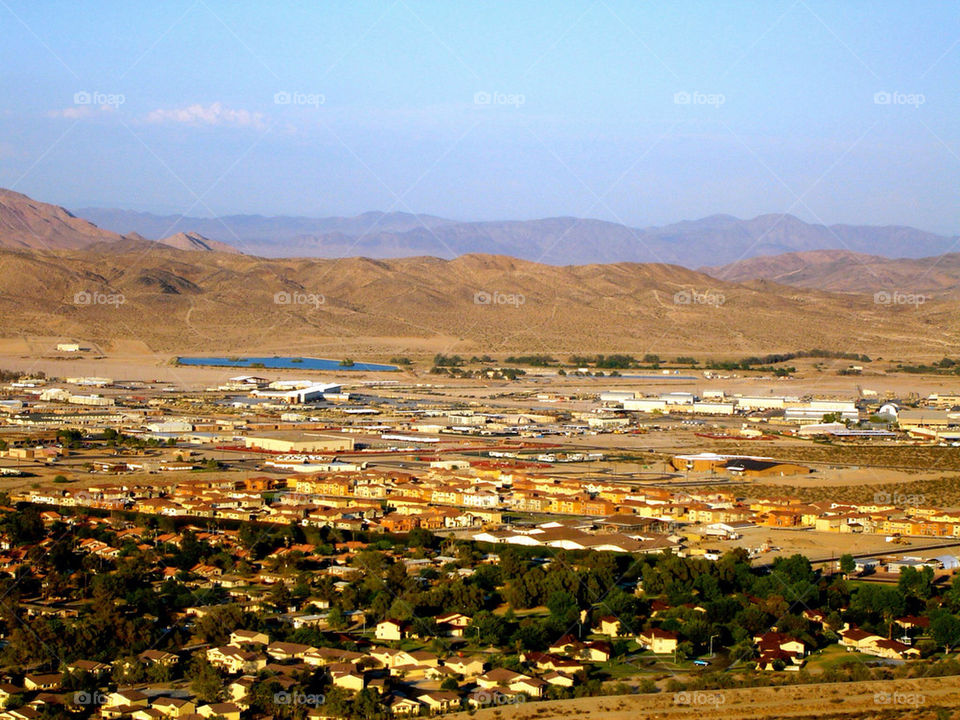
(637, 112)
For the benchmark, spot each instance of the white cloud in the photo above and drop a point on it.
(78, 112)
(214, 114)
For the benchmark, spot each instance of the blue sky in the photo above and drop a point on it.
(642, 113)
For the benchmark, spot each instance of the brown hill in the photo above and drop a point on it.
(216, 302)
(196, 241)
(844, 271)
(27, 223)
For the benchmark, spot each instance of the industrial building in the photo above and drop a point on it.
(743, 465)
(298, 442)
(299, 395)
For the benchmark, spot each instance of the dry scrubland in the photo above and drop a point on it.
(942, 492)
(187, 302)
(862, 472)
(886, 455)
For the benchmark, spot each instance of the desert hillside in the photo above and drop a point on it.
(178, 301)
(28, 223)
(845, 271)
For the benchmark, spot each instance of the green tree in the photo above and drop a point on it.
(336, 620)
(945, 630)
(205, 681)
(487, 629)
(915, 583)
(563, 607)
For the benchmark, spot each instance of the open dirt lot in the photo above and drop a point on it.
(823, 546)
(128, 358)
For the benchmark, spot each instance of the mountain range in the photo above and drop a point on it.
(66, 277)
(714, 240)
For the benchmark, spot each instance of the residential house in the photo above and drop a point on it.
(226, 711)
(392, 630)
(469, 667)
(172, 707)
(660, 642)
(439, 701)
(249, 637)
(234, 660)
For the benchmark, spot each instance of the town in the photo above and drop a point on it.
(304, 546)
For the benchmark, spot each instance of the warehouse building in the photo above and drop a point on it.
(298, 442)
(299, 395)
(742, 465)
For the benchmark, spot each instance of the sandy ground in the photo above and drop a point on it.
(914, 698)
(132, 359)
(823, 546)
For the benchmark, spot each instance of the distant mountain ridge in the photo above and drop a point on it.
(739, 249)
(713, 240)
(254, 233)
(28, 224)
